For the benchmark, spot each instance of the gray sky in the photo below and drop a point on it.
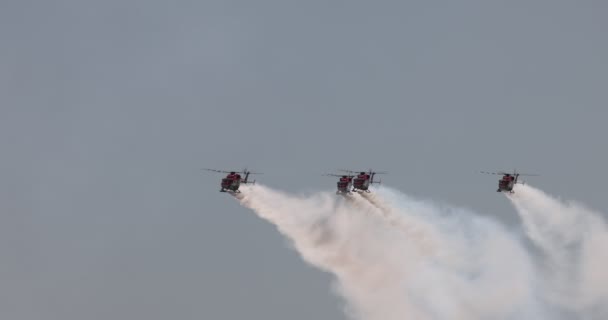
(109, 108)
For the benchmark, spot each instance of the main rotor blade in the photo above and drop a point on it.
(366, 171)
(221, 171)
(511, 173)
(491, 172)
(497, 173)
(371, 171)
(332, 175)
(338, 175)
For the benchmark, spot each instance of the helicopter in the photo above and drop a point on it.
(508, 180)
(345, 184)
(233, 180)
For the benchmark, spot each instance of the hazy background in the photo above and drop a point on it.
(108, 109)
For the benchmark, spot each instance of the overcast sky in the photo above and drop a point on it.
(108, 109)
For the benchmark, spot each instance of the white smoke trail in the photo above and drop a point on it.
(504, 279)
(384, 270)
(424, 234)
(574, 241)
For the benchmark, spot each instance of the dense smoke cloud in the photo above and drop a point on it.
(573, 241)
(395, 257)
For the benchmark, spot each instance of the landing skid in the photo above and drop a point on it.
(509, 191)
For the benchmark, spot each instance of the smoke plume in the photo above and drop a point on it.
(573, 241)
(394, 257)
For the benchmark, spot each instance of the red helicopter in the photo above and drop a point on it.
(363, 180)
(233, 180)
(508, 180)
(345, 183)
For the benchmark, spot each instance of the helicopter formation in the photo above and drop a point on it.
(355, 181)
